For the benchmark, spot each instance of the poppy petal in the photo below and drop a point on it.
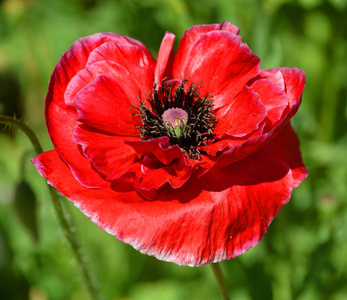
(190, 37)
(294, 80)
(234, 152)
(161, 164)
(106, 68)
(241, 116)
(154, 179)
(104, 105)
(276, 77)
(108, 153)
(273, 98)
(112, 210)
(219, 60)
(248, 194)
(160, 148)
(287, 144)
(133, 58)
(163, 68)
(61, 122)
(230, 214)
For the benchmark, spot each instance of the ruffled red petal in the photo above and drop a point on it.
(160, 148)
(161, 164)
(287, 145)
(275, 77)
(191, 36)
(108, 153)
(217, 218)
(294, 80)
(104, 105)
(152, 180)
(102, 68)
(273, 98)
(218, 61)
(139, 63)
(61, 122)
(241, 116)
(163, 68)
(236, 151)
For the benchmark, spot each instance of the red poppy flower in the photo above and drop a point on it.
(188, 157)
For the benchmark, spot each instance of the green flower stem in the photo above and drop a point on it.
(220, 280)
(28, 132)
(76, 249)
(63, 220)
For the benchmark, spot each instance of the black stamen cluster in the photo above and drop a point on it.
(201, 121)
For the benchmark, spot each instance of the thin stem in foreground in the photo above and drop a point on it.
(28, 132)
(220, 280)
(63, 220)
(76, 249)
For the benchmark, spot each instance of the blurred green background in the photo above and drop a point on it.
(303, 255)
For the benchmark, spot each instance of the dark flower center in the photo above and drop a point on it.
(180, 114)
